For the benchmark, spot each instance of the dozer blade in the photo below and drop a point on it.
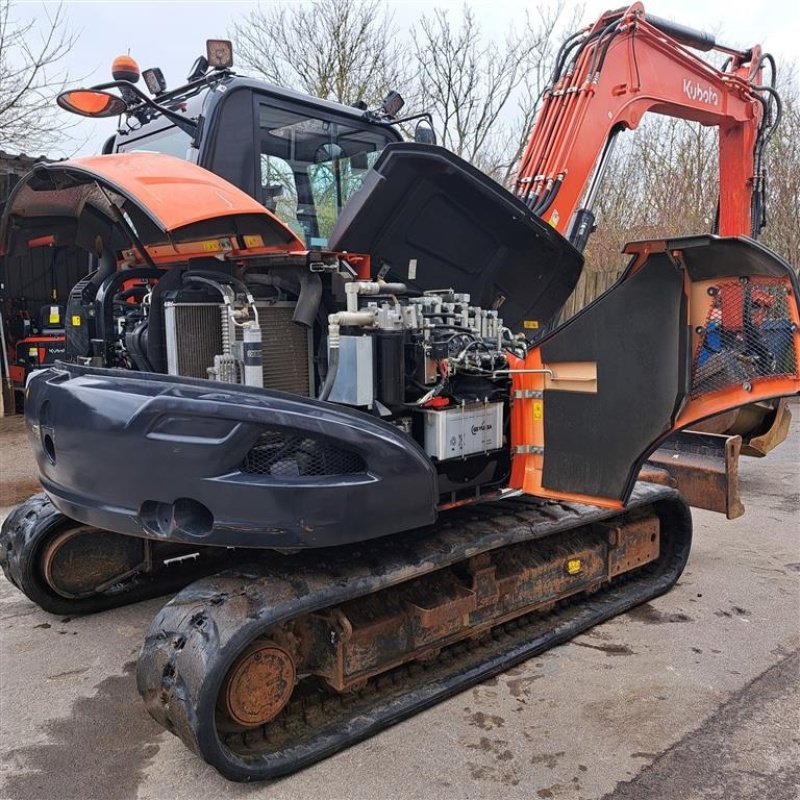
(762, 426)
(703, 467)
(773, 430)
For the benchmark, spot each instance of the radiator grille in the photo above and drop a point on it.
(285, 454)
(748, 335)
(194, 337)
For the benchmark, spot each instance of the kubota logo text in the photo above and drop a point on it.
(694, 91)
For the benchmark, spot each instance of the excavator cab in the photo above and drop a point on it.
(301, 157)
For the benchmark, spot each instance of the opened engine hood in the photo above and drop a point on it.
(162, 197)
(437, 222)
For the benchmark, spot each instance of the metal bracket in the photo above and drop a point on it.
(528, 450)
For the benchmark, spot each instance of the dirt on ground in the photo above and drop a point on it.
(17, 465)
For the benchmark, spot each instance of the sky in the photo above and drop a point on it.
(171, 34)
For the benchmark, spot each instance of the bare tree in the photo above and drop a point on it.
(546, 31)
(343, 50)
(470, 83)
(662, 180)
(31, 77)
(782, 233)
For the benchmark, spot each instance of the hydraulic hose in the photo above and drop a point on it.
(307, 286)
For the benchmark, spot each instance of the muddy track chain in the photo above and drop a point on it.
(196, 637)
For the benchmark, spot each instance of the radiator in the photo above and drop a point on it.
(196, 332)
(287, 349)
(194, 336)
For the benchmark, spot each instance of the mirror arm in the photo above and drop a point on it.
(185, 124)
(424, 115)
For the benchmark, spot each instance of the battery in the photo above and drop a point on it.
(463, 430)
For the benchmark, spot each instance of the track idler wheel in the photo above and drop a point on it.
(83, 561)
(69, 568)
(258, 686)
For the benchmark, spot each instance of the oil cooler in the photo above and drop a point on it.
(195, 333)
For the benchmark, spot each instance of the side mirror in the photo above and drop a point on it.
(92, 103)
(424, 133)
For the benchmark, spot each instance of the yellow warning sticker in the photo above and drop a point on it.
(253, 241)
(538, 409)
(531, 324)
(574, 566)
(210, 247)
(76, 321)
(54, 316)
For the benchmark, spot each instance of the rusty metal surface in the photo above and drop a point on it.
(417, 619)
(762, 426)
(777, 429)
(215, 618)
(653, 474)
(637, 544)
(259, 684)
(705, 468)
(83, 561)
(720, 423)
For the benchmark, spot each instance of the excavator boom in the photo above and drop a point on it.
(606, 78)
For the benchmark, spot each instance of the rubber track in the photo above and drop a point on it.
(32, 523)
(196, 637)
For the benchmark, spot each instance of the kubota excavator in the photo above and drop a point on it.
(392, 492)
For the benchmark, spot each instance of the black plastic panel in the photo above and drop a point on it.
(166, 457)
(464, 230)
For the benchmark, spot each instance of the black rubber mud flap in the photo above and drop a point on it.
(438, 223)
(635, 335)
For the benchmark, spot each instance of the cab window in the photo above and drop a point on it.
(311, 166)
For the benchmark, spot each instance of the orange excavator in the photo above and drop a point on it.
(388, 490)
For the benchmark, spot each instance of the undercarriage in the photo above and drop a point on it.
(281, 660)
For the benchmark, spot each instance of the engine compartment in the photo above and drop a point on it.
(428, 362)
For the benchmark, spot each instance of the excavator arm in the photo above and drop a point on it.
(607, 78)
